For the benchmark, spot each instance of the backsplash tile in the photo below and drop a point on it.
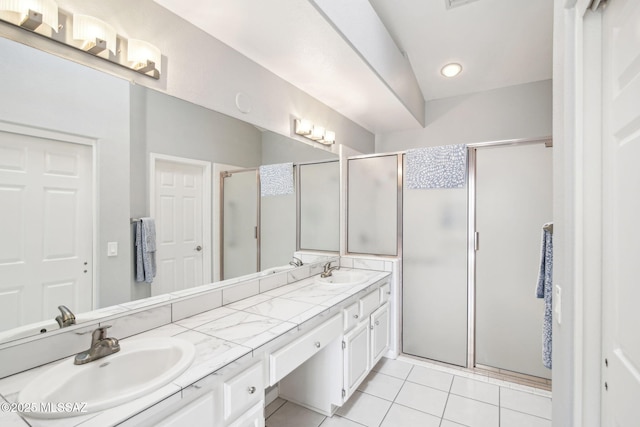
(197, 304)
(20, 357)
(273, 281)
(138, 322)
(298, 274)
(241, 291)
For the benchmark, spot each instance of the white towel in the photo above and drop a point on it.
(145, 250)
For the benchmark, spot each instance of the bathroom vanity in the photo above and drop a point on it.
(311, 341)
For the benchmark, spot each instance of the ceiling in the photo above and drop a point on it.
(498, 42)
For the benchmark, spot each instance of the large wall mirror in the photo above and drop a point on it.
(126, 152)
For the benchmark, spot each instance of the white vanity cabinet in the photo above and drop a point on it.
(200, 412)
(229, 398)
(379, 329)
(356, 366)
(241, 394)
(365, 345)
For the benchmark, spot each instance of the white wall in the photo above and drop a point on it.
(522, 111)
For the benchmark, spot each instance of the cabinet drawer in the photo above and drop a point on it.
(351, 316)
(368, 303)
(385, 293)
(252, 418)
(285, 360)
(243, 391)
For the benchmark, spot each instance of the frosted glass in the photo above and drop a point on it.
(240, 218)
(373, 205)
(277, 230)
(513, 201)
(434, 273)
(319, 188)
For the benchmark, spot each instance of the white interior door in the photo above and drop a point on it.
(621, 234)
(181, 204)
(46, 228)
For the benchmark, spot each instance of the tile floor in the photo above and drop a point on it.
(408, 393)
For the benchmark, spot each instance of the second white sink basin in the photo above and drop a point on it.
(141, 366)
(339, 277)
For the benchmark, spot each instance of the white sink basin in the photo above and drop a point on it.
(141, 366)
(343, 278)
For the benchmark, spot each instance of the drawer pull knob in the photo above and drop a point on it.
(317, 344)
(388, 292)
(377, 323)
(355, 316)
(251, 390)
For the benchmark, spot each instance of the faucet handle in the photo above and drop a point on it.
(99, 334)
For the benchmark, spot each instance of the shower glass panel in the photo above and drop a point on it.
(513, 201)
(277, 230)
(372, 215)
(434, 271)
(319, 190)
(239, 218)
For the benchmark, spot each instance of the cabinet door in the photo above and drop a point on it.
(254, 417)
(379, 326)
(197, 413)
(356, 358)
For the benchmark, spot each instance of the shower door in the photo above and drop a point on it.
(240, 234)
(513, 199)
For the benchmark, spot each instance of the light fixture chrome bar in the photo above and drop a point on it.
(32, 20)
(94, 47)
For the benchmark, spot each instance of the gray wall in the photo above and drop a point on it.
(279, 149)
(76, 99)
(162, 124)
(522, 111)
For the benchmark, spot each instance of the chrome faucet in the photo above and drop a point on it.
(66, 317)
(328, 269)
(296, 262)
(101, 346)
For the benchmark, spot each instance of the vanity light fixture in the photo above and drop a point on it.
(95, 34)
(329, 137)
(451, 70)
(303, 127)
(144, 57)
(33, 13)
(316, 133)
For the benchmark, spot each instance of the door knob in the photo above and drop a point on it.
(198, 248)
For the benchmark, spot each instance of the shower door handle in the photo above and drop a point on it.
(476, 241)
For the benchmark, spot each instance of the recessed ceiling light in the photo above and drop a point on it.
(451, 70)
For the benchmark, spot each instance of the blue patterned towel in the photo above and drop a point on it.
(544, 289)
(276, 180)
(443, 166)
(145, 250)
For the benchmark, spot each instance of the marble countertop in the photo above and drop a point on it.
(233, 333)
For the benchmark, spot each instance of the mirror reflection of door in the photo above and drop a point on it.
(239, 223)
(46, 228)
(182, 211)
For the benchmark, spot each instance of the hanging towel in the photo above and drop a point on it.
(276, 180)
(443, 166)
(145, 250)
(544, 289)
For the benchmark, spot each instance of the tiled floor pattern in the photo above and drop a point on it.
(402, 394)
